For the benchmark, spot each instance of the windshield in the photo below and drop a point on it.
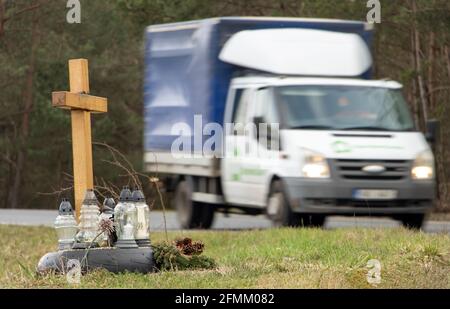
(343, 108)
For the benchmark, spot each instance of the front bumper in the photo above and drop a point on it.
(335, 196)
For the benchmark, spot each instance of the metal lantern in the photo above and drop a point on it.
(65, 225)
(108, 209)
(89, 219)
(108, 214)
(142, 229)
(125, 218)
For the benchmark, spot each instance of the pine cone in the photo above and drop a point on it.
(198, 248)
(187, 247)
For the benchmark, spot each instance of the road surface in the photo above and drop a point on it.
(233, 222)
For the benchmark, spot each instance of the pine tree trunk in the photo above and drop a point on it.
(431, 58)
(447, 58)
(414, 85)
(2, 16)
(417, 53)
(27, 96)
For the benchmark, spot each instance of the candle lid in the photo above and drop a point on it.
(108, 205)
(138, 196)
(125, 195)
(90, 198)
(65, 208)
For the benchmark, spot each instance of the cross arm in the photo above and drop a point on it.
(70, 100)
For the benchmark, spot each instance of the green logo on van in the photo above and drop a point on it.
(344, 147)
(341, 147)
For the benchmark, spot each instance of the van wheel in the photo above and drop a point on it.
(309, 220)
(192, 215)
(278, 208)
(412, 221)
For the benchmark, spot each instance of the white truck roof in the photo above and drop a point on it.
(301, 52)
(263, 81)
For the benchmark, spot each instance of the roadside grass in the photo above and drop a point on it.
(275, 258)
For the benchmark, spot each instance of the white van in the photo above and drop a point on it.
(346, 147)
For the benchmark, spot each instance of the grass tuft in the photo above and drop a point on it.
(276, 258)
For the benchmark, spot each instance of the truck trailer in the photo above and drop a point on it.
(280, 116)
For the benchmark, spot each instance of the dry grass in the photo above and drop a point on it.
(277, 258)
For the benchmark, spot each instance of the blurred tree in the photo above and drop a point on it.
(412, 45)
(35, 44)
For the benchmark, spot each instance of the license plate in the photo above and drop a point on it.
(369, 194)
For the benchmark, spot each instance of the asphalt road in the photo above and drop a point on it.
(233, 222)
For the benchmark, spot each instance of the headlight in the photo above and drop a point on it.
(315, 165)
(423, 167)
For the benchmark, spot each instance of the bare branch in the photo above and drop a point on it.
(129, 170)
(56, 192)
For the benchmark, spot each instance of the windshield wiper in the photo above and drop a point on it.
(313, 127)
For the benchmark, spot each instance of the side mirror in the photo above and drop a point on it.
(257, 121)
(433, 128)
(271, 135)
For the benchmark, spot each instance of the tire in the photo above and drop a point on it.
(312, 220)
(192, 215)
(412, 221)
(282, 215)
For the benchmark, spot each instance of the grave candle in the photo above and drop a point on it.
(125, 220)
(89, 219)
(142, 227)
(65, 225)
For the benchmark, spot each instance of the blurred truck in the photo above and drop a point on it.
(320, 137)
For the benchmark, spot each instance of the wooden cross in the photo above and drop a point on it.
(81, 105)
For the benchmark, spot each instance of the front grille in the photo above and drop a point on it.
(379, 204)
(353, 169)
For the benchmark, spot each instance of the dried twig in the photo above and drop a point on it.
(102, 186)
(154, 181)
(106, 226)
(56, 192)
(130, 169)
(131, 173)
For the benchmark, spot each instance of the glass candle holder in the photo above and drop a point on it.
(125, 218)
(142, 225)
(65, 225)
(89, 220)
